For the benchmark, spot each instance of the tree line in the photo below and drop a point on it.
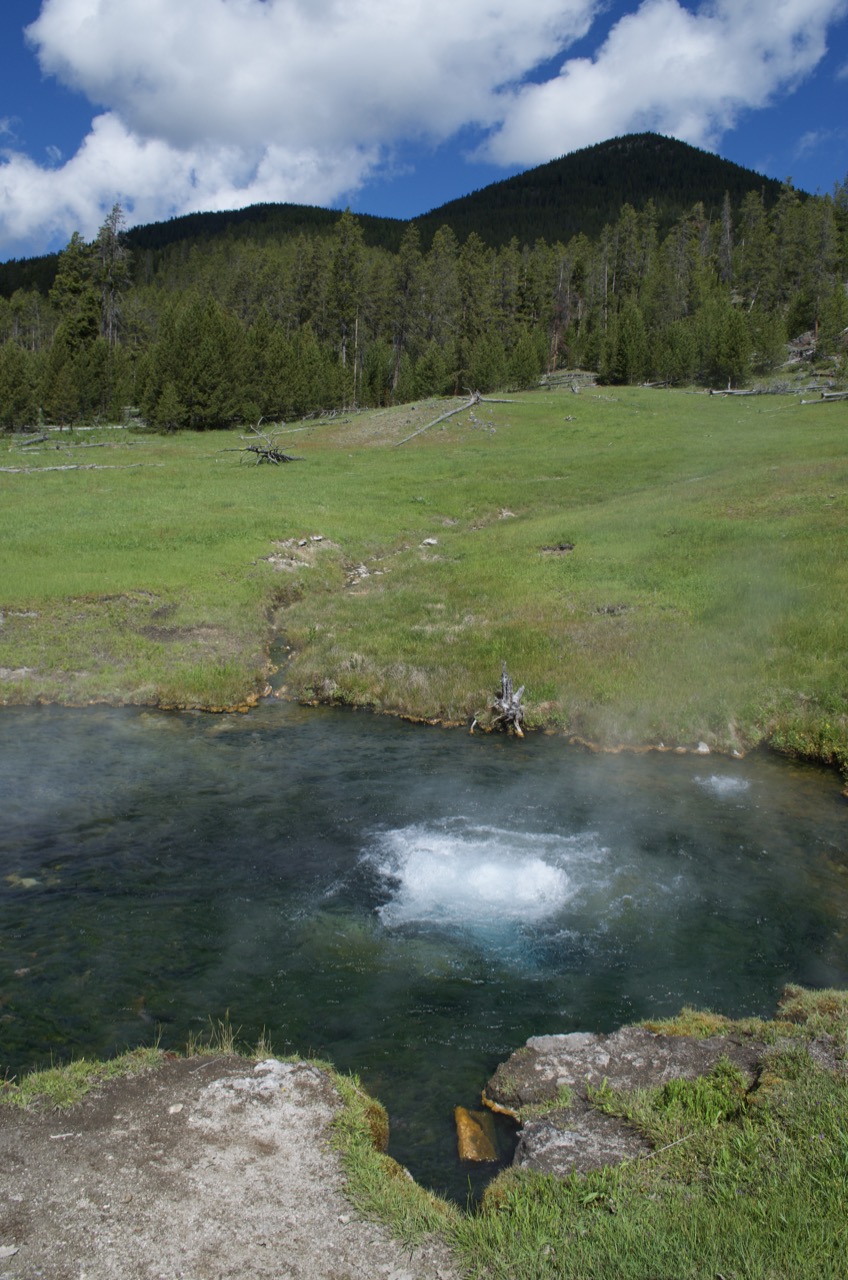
(216, 331)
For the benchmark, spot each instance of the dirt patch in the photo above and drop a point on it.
(204, 1168)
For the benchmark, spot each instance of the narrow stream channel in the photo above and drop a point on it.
(410, 903)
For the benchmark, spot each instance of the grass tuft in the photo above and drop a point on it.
(377, 1185)
(61, 1087)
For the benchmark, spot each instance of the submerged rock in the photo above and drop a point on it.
(475, 1135)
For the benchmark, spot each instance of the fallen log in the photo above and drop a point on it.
(828, 397)
(83, 466)
(23, 442)
(476, 398)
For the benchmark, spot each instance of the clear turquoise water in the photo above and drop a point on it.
(411, 903)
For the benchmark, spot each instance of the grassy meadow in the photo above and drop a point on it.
(700, 598)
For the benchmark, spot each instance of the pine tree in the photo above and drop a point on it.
(725, 245)
(59, 391)
(74, 296)
(441, 288)
(406, 389)
(675, 356)
(476, 311)
(378, 369)
(433, 371)
(407, 317)
(487, 366)
(754, 259)
(345, 294)
(768, 339)
(526, 362)
(18, 402)
(631, 357)
(111, 272)
(170, 412)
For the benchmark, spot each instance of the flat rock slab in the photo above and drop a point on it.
(203, 1169)
(578, 1138)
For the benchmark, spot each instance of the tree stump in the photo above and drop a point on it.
(507, 711)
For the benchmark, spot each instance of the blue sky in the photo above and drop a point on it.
(390, 106)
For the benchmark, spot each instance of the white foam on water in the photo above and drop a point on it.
(470, 876)
(724, 785)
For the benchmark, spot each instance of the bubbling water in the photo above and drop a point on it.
(723, 785)
(459, 874)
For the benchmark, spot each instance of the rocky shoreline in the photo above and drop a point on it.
(547, 1087)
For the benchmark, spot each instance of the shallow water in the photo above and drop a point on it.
(411, 903)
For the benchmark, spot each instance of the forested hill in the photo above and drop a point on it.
(585, 190)
(262, 222)
(580, 192)
(283, 311)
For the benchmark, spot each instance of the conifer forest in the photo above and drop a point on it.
(201, 324)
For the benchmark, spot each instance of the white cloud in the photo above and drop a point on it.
(222, 103)
(303, 73)
(668, 69)
(810, 140)
(213, 104)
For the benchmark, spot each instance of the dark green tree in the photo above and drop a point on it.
(407, 309)
(18, 381)
(111, 272)
(74, 296)
(526, 361)
(345, 294)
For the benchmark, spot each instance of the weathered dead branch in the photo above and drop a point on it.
(269, 454)
(265, 450)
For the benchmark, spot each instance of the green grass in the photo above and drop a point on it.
(702, 600)
(60, 1087)
(376, 1184)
